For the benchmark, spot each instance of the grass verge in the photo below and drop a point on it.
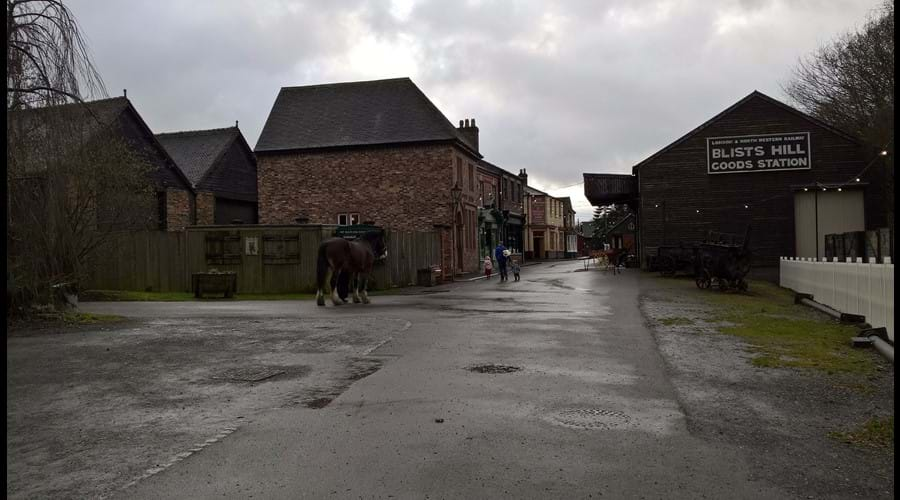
(875, 433)
(781, 333)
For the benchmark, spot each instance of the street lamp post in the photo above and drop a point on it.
(455, 196)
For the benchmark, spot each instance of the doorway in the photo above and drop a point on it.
(817, 213)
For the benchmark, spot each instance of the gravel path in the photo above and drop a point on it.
(781, 416)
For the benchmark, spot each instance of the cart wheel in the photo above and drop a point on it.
(703, 281)
(667, 266)
(742, 285)
(723, 285)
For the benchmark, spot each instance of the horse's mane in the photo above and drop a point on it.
(372, 236)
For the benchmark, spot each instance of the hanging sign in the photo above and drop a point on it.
(758, 153)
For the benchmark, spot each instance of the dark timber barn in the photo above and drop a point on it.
(791, 177)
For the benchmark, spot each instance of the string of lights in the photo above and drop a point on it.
(821, 186)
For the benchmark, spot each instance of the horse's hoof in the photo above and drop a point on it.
(356, 301)
(338, 303)
(320, 302)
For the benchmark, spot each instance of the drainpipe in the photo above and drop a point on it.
(878, 338)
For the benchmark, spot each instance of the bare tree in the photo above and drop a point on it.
(47, 60)
(72, 178)
(849, 83)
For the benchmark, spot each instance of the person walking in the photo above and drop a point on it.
(488, 266)
(502, 255)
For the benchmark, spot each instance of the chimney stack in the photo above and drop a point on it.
(524, 176)
(125, 93)
(469, 132)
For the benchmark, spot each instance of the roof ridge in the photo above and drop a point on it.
(336, 84)
(729, 109)
(196, 132)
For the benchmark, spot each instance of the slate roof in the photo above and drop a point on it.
(77, 123)
(752, 95)
(69, 121)
(354, 114)
(196, 151)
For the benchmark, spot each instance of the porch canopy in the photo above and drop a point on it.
(609, 189)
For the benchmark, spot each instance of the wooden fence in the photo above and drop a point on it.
(853, 287)
(267, 259)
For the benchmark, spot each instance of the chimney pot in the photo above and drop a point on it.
(460, 124)
(124, 92)
(235, 124)
(467, 123)
(473, 122)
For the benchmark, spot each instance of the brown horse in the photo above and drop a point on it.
(351, 261)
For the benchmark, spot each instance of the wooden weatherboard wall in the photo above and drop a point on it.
(267, 259)
(674, 184)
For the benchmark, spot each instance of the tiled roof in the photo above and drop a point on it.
(354, 114)
(196, 151)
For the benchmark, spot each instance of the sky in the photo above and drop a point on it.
(557, 88)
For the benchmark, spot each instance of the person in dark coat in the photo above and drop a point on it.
(502, 256)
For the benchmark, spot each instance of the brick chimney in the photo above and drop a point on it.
(469, 132)
(524, 176)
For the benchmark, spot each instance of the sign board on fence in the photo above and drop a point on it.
(251, 245)
(355, 230)
(758, 153)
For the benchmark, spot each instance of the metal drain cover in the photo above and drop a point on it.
(491, 368)
(590, 418)
(251, 374)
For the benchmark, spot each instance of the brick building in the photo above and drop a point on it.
(222, 171)
(501, 213)
(374, 151)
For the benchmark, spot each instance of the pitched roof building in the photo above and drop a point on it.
(221, 168)
(761, 164)
(83, 123)
(374, 151)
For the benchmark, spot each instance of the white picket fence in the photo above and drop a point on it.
(865, 288)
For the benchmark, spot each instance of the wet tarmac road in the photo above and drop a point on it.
(590, 412)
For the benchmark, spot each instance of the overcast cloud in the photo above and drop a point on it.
(557, 88)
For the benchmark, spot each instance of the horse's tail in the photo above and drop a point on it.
(321, 268)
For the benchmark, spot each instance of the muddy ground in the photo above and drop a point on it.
(781, 416)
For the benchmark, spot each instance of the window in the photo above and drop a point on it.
(471, 177)
(348, 219)
(459, 172)
(281, 248)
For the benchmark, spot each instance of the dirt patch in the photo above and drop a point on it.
(788, 413)
(317, 403)
(491, 368)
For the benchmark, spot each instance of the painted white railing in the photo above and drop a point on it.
(853, 287)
